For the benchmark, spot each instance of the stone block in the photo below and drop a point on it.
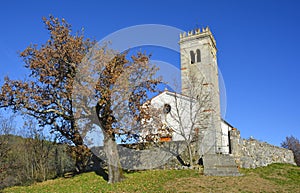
(220, 165)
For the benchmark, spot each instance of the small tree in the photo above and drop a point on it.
(191, 114)
(39, 152)
(185, 117)
(293, 144)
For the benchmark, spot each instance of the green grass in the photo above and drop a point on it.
(281, 174)
(147, 181)
(274, 178)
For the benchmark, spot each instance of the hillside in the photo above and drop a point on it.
(273, 178)
(27, 160)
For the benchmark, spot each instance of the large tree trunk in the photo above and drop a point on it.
(82, 157)
(115, 172)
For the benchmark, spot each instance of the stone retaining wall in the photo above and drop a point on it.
(249, 153)
(163, 155)
(252, 153)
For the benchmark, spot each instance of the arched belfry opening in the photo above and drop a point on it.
(195, 57)
(198, 55)
(192, 54)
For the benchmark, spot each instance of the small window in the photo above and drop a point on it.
(192, 57)
(167, 108)
(198, 55)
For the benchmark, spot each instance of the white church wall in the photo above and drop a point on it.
(181, 118)
(177, 118)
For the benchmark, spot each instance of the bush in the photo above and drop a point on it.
(293, 144)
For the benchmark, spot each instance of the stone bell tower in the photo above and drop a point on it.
(199, 79)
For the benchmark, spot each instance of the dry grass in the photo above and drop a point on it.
(249, 183)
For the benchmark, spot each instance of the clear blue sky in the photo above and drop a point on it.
(258, 48)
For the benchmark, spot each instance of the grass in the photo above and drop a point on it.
(273, 178)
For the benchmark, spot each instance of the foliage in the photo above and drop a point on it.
(178, 181)
(293, 144)
(57, 73)
(46, 94)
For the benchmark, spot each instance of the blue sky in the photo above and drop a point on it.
(258, 48)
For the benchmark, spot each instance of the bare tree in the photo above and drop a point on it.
(39, 152)
(30, 158)
(184, 117)
(190, 116)
(7, 128)
(292, 143)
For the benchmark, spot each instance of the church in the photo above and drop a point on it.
(195, 112)
(194, 115)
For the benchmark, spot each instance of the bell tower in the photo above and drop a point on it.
(199, 80)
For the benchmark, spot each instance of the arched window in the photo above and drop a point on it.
(198, 55)
(167, 108)
(192, 57)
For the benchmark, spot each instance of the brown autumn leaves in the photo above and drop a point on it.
(73, 78)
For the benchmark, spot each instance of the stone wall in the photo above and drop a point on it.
(251, 153)
(162, 155)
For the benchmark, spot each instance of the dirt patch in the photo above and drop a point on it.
(252, 183)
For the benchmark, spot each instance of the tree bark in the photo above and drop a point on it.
(115, 172)
(190, 154)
